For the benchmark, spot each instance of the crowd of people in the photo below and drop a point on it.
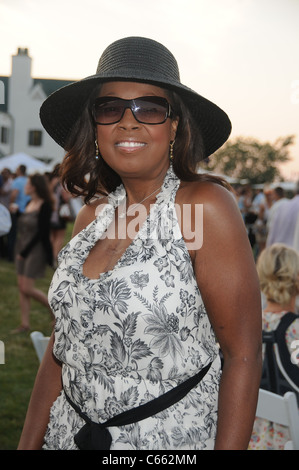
(278, 271)
(272, 221)
(35, 232)
(270, 215)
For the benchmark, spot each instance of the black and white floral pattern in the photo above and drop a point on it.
(133, 334)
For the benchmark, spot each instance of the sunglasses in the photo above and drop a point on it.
(146, 110)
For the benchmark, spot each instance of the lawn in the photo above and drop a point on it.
(18, 373)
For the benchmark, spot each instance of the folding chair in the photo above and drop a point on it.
(281, 410)
(40, 343)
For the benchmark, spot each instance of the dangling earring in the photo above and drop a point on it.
(97, 155)
(171, 145)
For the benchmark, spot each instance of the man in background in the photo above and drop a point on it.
(284, 221)
(18, 202)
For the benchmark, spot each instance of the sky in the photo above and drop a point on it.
(241, 54)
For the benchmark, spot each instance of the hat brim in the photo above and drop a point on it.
(61, 109)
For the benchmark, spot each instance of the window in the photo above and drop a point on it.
(35, 138)
(4, 137)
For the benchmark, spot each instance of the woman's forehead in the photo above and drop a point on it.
(130, 90)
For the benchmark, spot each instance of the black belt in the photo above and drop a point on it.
(95, 436)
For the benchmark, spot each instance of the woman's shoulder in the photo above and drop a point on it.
(293, 329)
(271, 320)
(292, 337)
(213, 195)
(221, 224)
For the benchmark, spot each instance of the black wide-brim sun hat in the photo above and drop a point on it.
(134, 59)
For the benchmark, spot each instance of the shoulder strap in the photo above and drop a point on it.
(292, 370)
(279, 373)
(285, 322)
(269, 380)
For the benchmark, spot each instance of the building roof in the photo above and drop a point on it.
(49, 86)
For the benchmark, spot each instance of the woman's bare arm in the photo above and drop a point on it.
(48, 384)
(46, 389)
(227, 279)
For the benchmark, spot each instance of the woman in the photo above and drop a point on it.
(278, 270)
(58, 223)
(138, 306)
(33, 247)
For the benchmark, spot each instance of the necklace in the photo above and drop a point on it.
(131, 208)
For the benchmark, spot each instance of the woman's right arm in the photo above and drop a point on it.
(46, 389)
(48, 384)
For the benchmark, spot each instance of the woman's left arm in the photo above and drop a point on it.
(226, 275)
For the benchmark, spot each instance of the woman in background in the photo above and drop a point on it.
(33, 247)
(278, 270)
(58, 222)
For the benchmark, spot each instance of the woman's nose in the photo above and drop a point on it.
(128, 120)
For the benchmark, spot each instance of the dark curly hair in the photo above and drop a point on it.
(40, 183)
(83, 175)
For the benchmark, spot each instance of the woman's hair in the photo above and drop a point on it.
(83, 175)
(41, 186)
(278, 271)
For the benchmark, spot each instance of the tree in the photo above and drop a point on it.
(249, 159)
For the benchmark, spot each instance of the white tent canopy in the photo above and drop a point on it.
(32, 164)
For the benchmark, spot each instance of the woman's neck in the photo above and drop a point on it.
(273, 307)
(138, 189)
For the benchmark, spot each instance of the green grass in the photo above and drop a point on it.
(18, 373)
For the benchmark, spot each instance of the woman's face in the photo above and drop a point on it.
(129, 147)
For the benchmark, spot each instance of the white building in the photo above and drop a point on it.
(20, 99)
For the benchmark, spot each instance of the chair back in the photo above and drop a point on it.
(281, 410)
(40, 343)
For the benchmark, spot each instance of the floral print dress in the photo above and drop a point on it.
(134, 333)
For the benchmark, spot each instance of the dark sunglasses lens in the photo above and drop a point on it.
(147, 110)
(109, 112)
(150, 112)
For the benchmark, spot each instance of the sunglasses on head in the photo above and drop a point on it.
(146, 110)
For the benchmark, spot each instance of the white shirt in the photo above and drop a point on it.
(5, 220)
(283, 227)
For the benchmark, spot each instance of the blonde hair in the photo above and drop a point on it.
(278, 271)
